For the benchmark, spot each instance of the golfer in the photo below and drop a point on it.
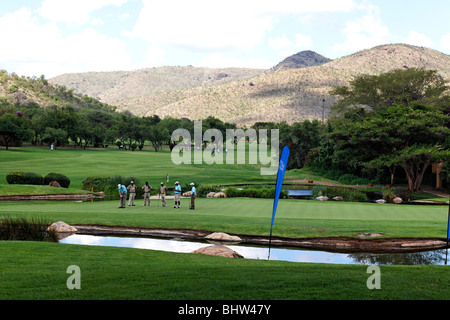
(147, 188)
(132, 188)
(193, 194)
(123, 195)
(177, 195)
(162, 194)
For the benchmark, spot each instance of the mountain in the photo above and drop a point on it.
(302, 59)
(286, 95)
(111, 87)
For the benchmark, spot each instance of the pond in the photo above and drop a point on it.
(436, 257)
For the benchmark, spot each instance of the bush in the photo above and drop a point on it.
(254, 192)
(109, 185)
(348, 194)
(204, 189)
(26, 229)
(62, 179)
(24, 178)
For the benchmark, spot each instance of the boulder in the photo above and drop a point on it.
(54, 184)
(397, 200)
(220, 195)
(222, 237)
(322, 198)
(338, 198)
(220, 251)
(186, 194)
(380, 201)
(61, 226)
(210, 195)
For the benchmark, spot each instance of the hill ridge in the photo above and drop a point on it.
(286, 95)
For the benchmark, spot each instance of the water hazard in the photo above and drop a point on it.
(435, 257)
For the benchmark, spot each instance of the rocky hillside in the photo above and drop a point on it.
(302, 59)
(287, 95)
(111, 87)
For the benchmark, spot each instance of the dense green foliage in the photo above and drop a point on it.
(27, 229)
(24, 178)
(396, 119)
(60, 178)
(399, 119)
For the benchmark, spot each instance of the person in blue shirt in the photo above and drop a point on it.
(177, 195)
(123, 195)
(193, 194)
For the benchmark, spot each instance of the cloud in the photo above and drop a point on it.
(445, 43)
(73, 11)
(365, 32)
(36, 49)
(286, 47)
(218, 60)
(419, 39)
(205, 25)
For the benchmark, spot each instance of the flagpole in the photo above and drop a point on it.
(280, 176)
(448, 232)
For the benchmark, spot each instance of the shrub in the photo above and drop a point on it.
(348, 194)
(27, 229)
(254, 192)
(62, 179)
(204, 189)
(109, 185)
(20, 177)
(388, 194)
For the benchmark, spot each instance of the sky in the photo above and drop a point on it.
(53, 37)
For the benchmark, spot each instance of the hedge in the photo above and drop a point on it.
(20, 177)
(62, 179)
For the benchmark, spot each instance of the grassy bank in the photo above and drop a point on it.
(146, 165)
(295, 218)
(38, 271)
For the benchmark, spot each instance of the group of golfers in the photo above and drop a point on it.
(131, 190)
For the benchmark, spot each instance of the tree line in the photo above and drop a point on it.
(381, 124)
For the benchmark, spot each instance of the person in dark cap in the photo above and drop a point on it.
(132, 188)
(147, 188)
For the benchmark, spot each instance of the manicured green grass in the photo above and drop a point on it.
(18, 189)
(294, 218)
(32, 270)
(146, 165)
(38, 271)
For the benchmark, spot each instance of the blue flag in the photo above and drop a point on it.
(280, 176)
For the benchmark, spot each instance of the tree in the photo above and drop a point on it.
(408, 137)
(14, 128)
(397, 87)
(300, 137)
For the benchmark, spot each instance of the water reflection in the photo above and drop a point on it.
(437, 257)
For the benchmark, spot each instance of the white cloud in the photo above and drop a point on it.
(36, 49)
(419, 39)
(286, 47)
(445, 43)
(73, 11)
(154, 56)
(363, 33)
(227, 25)
(218, 60)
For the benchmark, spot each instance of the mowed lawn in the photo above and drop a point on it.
(33, 270)
(294, 218)
(145, 165)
